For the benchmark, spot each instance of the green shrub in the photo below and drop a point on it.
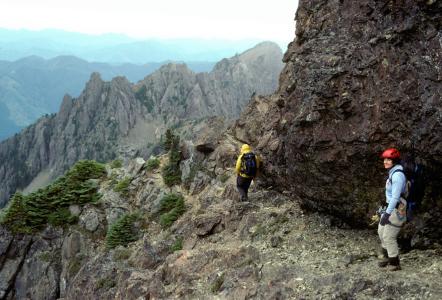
(15, 215)
(177, 245)
(152, 164)
(122, 187)
(169, 140)
(172, 171)
(171, 175)
(61, 216)
(117, 163)
(171, 208)
(122, 232)
(84, 170)
(50, 205)
(169, 201)
(167, 219)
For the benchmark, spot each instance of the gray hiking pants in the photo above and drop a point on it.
(388, 234)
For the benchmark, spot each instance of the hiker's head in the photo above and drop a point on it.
(245, 148)
(388, 163)
(391, 157)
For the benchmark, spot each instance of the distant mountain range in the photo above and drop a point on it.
(114, 48)
(32, 87)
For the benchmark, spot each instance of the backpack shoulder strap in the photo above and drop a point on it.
(400, 171)
(407, 183)
(390, 177)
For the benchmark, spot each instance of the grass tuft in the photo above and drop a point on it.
(122, 187)
(152, 164)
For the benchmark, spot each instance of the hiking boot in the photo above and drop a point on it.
(384, 262)
(394, 264)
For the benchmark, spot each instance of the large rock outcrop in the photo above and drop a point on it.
(359, 77)
(116, 118)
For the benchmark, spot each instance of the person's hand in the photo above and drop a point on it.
(384, 219)
(375, 219)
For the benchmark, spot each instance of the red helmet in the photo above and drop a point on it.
(391, 153)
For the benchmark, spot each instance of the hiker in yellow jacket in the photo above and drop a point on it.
(247, 167)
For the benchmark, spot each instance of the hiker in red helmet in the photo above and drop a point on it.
(393, 215)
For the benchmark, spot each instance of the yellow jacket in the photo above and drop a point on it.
(246, 149)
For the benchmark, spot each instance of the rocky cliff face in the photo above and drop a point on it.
(115, 118)
(360, 76)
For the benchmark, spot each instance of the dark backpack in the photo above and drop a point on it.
(248, 164)
(415, 174)
(415, 186)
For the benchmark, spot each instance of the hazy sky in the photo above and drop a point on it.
(227, 19)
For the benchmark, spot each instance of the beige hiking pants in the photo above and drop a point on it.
(388, 234)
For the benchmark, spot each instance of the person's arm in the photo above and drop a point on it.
(238, 164)
(397, 185)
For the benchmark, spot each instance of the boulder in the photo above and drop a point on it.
(135, 166)
(90, 219)
(205, 224)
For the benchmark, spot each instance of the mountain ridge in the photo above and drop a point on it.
(94, 124)
(33, 86)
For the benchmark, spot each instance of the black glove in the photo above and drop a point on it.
(384, 219)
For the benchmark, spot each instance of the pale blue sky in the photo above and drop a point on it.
(227, 19)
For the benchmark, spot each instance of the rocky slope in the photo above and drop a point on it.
(360, 76)
(116, 118)
(218, 249)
